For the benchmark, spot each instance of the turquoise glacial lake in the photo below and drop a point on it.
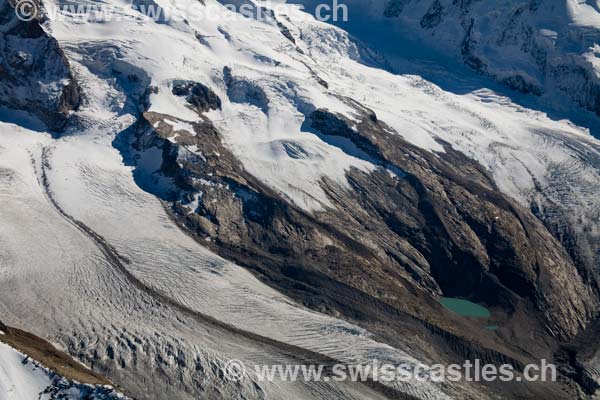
(465, 308)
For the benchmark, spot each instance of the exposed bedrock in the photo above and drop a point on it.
(35, 76)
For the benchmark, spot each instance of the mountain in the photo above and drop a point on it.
(275, 189)
(544, 47)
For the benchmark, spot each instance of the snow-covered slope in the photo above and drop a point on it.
(18, 380)
(546, 47)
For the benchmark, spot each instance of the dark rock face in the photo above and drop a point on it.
(199, 97)
(34, 74)
(434, 15)
(286, 32)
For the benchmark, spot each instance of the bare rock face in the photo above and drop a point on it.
(197, 95)
(34, 74)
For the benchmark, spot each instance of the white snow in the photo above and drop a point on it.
(583, 14)
(180, 126)
(20, 379)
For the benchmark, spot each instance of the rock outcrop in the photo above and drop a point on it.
(34, 74)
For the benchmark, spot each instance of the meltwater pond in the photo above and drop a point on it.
(465, 308)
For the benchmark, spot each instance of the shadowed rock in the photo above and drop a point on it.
(198, 96)
(35, 76)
